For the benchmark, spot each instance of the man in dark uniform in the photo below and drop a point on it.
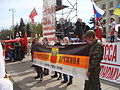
(39, 69)
(66, 28)
(96, 55)
(79, 28)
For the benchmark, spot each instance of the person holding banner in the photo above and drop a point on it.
(65, 76)
(39, 69)
(45, 42)
(96, 55)
(57, 43)
(5, 83)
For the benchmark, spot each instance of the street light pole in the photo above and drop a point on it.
(12, 11)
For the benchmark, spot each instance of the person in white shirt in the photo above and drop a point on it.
(112, 23)
(5, 83)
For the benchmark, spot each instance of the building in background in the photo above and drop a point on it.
(108, 6)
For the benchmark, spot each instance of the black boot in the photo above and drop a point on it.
(55, 75)
(69, 83)
(41, 77)
(37, 77)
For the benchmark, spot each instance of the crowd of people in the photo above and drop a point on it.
(93, 37)
(14, 51)
(44, 71)
(80, 28)
(93, 71)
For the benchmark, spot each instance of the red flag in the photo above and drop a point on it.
(33, 14)
(25, 40)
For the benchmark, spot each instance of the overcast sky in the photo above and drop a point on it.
(24, 7)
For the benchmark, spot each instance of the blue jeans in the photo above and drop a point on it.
(65, 77)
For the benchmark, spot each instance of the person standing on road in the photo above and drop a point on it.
(39, 69)
(65, 76)
(96, 55)
(45, 43)
(17, 56)
(57, 43)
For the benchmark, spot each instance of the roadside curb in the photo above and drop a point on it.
(15, 84)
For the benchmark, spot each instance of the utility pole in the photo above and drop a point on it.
(12, 11)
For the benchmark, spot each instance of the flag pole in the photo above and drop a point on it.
(94, 21)
(94, 18)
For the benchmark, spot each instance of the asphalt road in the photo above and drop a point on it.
(15, 87)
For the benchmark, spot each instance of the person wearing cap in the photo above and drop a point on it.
(112, 29)
(96, 55)
(112, 23)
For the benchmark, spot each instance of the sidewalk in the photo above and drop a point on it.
(23, 76)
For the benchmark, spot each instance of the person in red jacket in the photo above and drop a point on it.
(99, 31)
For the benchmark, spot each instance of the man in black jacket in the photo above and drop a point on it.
(79, 28)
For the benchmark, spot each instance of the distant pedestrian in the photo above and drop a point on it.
(29, 48)
(112, 30)
(79, 28)
(66, 28)
(96, 55)
(17, 56)
(32, 48)
(112, 23)
(99, 31)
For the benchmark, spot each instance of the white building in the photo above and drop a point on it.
(108, 6)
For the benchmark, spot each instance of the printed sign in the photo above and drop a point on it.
(75, 61)
(110, 65)
(49, 18)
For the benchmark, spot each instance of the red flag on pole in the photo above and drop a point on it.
(33, 14)
(25, 40)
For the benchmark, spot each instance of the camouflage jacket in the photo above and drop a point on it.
(96, 55)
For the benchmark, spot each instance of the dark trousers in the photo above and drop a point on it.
(17, 56)
(56, 74)
(32, 56)
(66, 33)
(46, 71)
(10, 55)
(93, 83)
(39, 71)
(70, 79)
(65, 77)
(112, 38)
